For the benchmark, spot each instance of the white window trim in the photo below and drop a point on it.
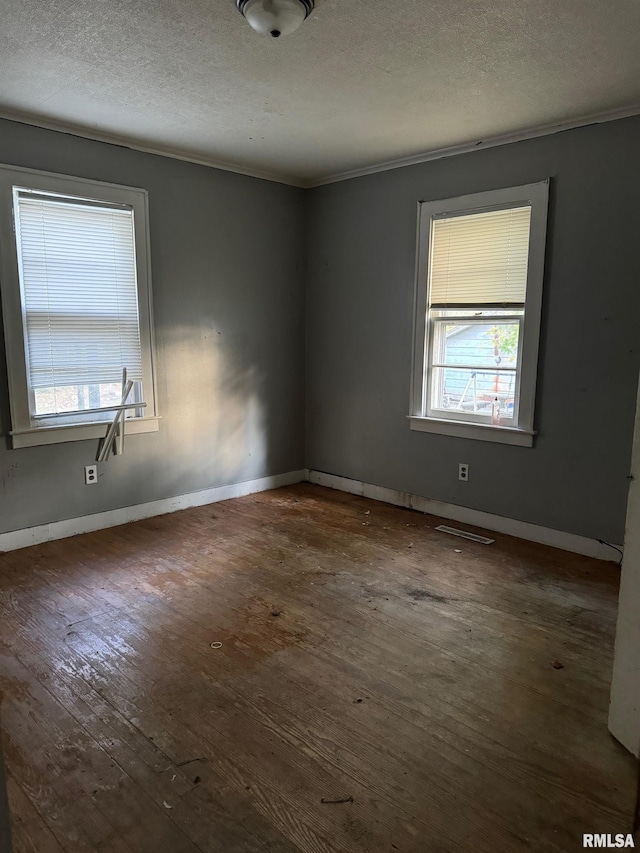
(23, 433)
(537, 195)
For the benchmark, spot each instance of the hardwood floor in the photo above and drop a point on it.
(364, 656)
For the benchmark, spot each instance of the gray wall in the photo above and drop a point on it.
(228, 285)
(361, 251)
(226, 253)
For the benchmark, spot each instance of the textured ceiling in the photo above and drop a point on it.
(361, 82)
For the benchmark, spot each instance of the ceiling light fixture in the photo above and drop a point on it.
(275, 17)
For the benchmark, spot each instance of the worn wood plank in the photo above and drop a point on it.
(31, 834)
(407, 670)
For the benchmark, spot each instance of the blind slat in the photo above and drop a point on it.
(78, 274)
(480, 258)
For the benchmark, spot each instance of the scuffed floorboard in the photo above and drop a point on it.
(455, 694)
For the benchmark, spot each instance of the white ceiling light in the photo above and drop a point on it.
(275, 17)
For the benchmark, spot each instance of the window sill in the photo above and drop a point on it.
(480, 432)
(78, 432)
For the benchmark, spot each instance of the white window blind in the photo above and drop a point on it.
(480, 258)
(78, 275)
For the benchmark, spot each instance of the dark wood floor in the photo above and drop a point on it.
(364, 656)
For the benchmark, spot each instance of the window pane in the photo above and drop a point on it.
(76, 398)
(480, 345)
(474, 391)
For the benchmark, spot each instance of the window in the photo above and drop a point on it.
(477, 314)
(76, 305)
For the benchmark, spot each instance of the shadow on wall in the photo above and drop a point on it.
(213, 405)
(216, 414)
(220, 417)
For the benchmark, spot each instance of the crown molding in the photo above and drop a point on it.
(465, 148)
(293, 181)
(136, 145)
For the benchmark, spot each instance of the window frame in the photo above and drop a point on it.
(421, 415)
(24, 433)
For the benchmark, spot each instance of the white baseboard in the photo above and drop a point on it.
(465, 515)
(111, 518)
(98, 521)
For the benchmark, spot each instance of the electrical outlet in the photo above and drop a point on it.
(463, 472)
(90, 474)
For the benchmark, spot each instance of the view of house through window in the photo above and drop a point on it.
(477, 312)
(475, 363)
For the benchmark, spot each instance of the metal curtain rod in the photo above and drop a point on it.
(115, 431)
